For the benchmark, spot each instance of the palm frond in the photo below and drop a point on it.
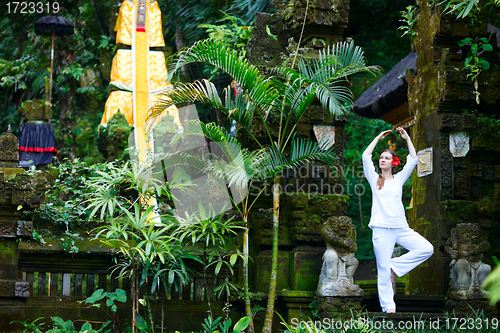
(244, 166)
(302, 151)
(220, 139)
(337, 99)
(183, 159)
(342, 60)
(297, 97)
(181, 94)
(259, 88)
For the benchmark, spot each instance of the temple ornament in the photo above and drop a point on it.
(466, 246)
(339, 263)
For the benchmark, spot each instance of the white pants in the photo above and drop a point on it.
(384, 240)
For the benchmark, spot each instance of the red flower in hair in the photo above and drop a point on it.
(395, 161)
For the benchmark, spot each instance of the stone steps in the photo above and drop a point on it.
(406, 321)
(407, 303)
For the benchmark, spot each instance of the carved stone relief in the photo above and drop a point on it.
(264, 50)
(476, 188)
(424, 167)
(8, 229)
(24, 228)
(476, 170)
(22, 289)
(9, 145)
(459, 163)
(489, 172)
(459, 144)
(461, 185)
(446, 166)
(325, 135)
(6, 289)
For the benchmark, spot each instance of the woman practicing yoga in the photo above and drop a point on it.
(388, 220)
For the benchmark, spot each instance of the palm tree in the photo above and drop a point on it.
(287, 93)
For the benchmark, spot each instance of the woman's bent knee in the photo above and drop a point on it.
(428, 250)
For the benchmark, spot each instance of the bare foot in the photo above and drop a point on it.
(391, 311)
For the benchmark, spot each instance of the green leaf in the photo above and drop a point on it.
(241, 324)
(121, 295)
(473, 49)
(109, 302)
(487, 47)
(467, 61)
(96, 296)
(65, 325)
(87, 327)
(140, 322)
(218, 267)
(233, 259)
(484, 64)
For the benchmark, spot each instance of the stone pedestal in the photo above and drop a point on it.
(305, 268)
(339, 307)
(469, 308)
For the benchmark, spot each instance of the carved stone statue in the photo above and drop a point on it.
(9, 144)
(339, 263)
(466, 246)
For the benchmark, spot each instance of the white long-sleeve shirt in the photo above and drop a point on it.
(387, 206)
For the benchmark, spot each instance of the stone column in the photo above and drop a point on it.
(464, 169)
(19, 191)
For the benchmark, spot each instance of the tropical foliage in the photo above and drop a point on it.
(287, 94)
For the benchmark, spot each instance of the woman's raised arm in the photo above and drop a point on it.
(405, 136)
(372, 145)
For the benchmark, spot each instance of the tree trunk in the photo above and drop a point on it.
(205, 284)
(268, 321)
(132, 293)
(248, 308)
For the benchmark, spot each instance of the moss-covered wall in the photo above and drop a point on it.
(438, 94)
(300, 220)
(300, 242)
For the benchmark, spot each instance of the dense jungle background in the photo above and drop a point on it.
(82, 68)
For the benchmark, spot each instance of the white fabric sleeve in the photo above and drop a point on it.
(411, 162)
(369, 170)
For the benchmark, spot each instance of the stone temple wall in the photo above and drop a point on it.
(463, 185)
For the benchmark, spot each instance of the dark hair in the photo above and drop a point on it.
(381, 180)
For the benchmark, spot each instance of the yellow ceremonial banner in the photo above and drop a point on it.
(158, 70)
(124, 25)
(141, 89)
(118, 101)
(121, 70)
(139, 73)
